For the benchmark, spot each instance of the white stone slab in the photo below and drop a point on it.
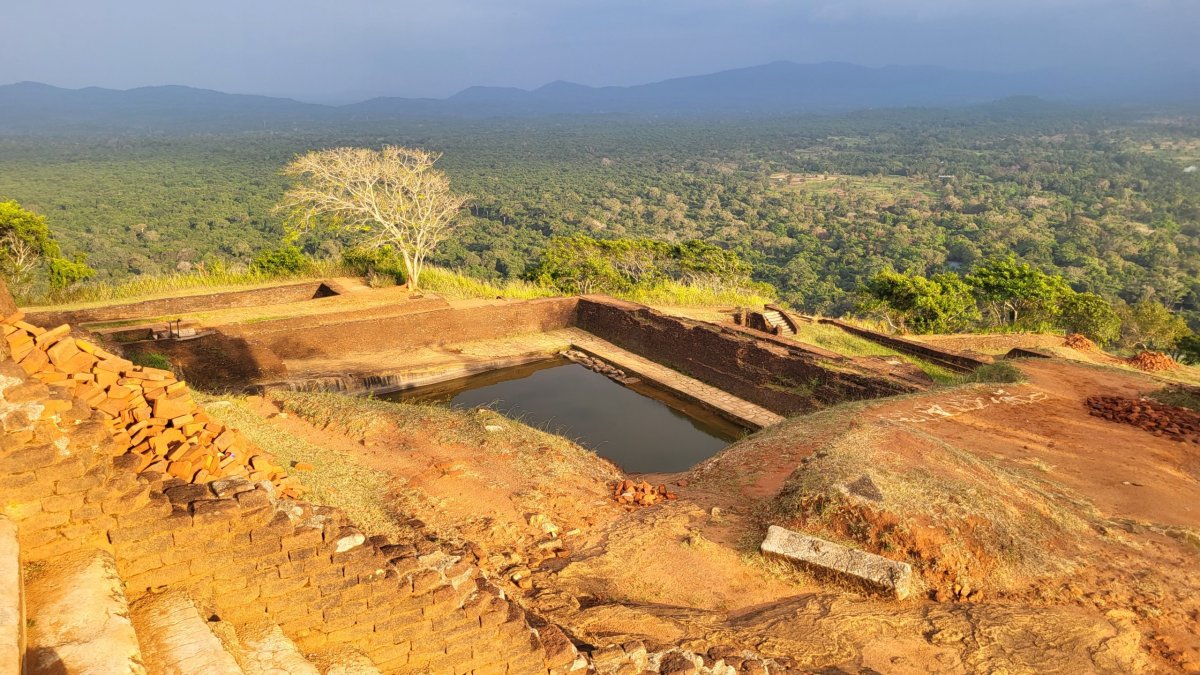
(889, 576)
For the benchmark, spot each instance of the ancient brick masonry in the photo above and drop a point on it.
(150, 413)
(765, 371)
(407, 605)
(244, 554)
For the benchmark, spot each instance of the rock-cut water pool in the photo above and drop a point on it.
(640, 428)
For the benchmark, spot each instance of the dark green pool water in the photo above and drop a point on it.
(640, 428)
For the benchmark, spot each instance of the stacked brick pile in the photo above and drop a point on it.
(629, 493)
(1179, 424)
(1080, 342)
(150, 413)
(1152, 361)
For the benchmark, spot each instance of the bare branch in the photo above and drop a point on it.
(391, 196)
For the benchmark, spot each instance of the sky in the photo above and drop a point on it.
(346, 50)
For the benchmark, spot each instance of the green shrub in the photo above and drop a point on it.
(152, 360)
(1091, 315)
(283, 261)
(1000, 372)
(375, 262)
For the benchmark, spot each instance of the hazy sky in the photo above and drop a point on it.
(351, 49)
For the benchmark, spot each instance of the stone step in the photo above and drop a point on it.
(12, 600)
(177, 640)
(78, 619)
(265, 650)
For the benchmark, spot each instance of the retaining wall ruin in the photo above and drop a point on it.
(417, 605)
(333, 335)
(255, 297)
(768, 372)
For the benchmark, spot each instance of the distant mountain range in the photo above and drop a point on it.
(774, 89)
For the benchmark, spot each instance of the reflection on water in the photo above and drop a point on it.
(640, 428)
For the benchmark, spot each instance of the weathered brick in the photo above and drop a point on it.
(286, 611)
(87, 512)
(121, 535)
(156, 508)
(20, 480)
(440, 601)
(272, 560)
(130, 501)
(253, 499)
(92, 479)
(163, 576)
(337, 622)
(134, 566)
(302, 553)
(45, 521)
(303, 538)
(425, 580)
(56, 503)
(401, 619)
(28, 458)
(34, 538)
(345, 609)
(156, 544)
(276, 587)
(53, 549)
(349, 634)
(70, 467)
(232, 598)
(300, 625)
(333, 587)
(278, 527)
(216, 513)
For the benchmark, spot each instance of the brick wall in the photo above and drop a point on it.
(784, 379)
(333, 335)
(306, 290)
(411, 606)
(953, 360)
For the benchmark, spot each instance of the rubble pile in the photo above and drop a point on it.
(149, 411)
(1179, 424)
(1152, 361)
(629, 493)
(1079, 341)
(598, 366)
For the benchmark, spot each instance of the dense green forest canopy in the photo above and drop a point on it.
(817, 205)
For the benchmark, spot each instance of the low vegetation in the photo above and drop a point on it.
(337, 479)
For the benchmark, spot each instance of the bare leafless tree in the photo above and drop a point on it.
(392, 196)
(19, 259)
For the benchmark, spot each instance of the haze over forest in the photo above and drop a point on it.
(359, 49)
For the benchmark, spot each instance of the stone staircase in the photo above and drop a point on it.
(778, 322)
(70, 616)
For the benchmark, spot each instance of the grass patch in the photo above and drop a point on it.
(678, 294)
(149, 287)
(1001, 372)
(338, 478)
(458, 286)
(1178, 396)
(152, 360)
